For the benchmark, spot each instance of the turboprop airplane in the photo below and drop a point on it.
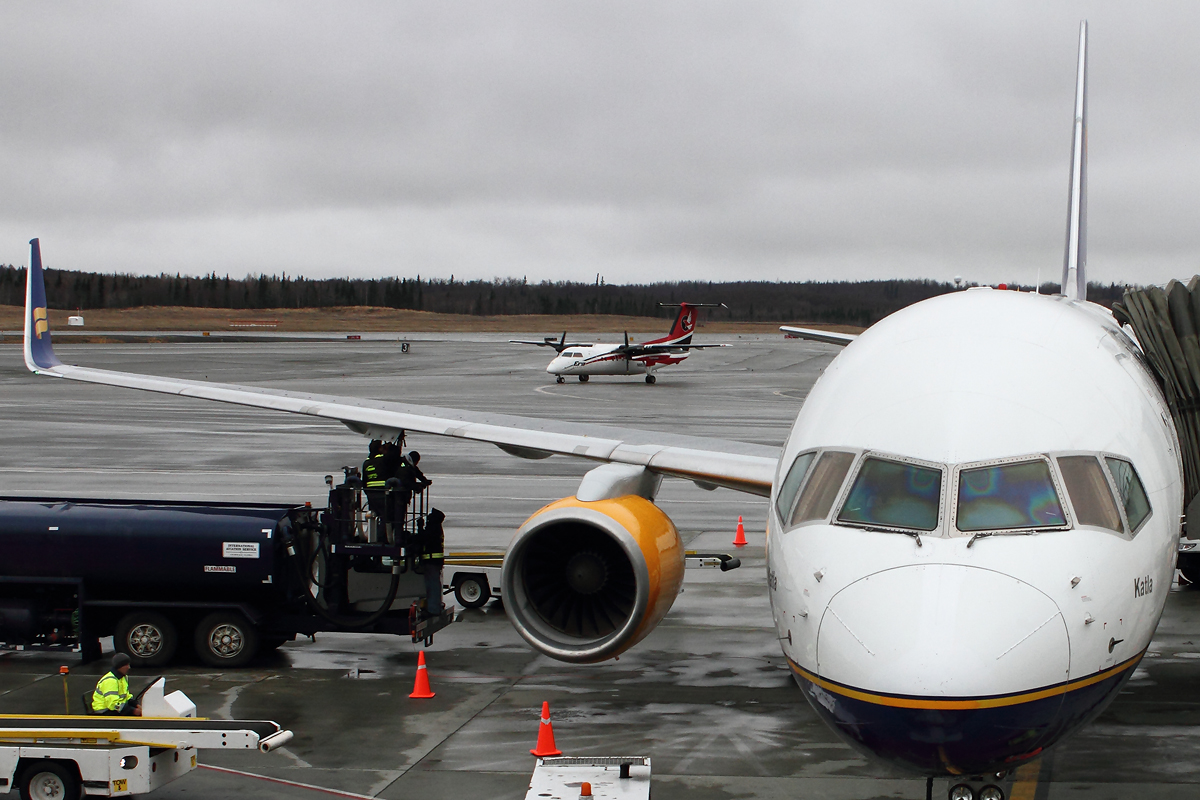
(585, 360)
(973, 523)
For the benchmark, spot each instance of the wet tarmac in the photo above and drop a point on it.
(708, 695)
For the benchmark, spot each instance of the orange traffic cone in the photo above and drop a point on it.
(545, 745)
(740, 539)
(421, 689)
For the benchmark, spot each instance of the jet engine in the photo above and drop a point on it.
(584, 581)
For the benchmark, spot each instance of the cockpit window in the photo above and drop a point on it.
(572, 355)
(1130, 490)
(791, 484)
(1090, 494)
(1008, 496)
(894, 494)
(822, 488)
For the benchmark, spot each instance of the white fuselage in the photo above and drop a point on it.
(593, 359)
(957, 656)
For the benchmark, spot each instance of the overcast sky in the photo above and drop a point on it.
(641, 140)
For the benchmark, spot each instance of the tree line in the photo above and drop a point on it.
(842, 302)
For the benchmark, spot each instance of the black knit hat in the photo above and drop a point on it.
(120, 660)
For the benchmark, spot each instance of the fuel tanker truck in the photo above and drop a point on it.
(229, 579)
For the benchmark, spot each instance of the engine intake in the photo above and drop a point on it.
(584, 581)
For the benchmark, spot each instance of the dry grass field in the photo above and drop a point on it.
(162, 318)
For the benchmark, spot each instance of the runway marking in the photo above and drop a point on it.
(542, 390)
(784, 393)
(1026, 783)
(309, 786)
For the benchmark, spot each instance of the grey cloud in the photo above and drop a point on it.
(670, 140)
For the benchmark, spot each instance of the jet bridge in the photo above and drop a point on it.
(1166, 322)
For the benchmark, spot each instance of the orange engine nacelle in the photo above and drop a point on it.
(585, 581)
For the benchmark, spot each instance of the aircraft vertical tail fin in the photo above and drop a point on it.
(39, 352)
(1074, 277)
(685, 324)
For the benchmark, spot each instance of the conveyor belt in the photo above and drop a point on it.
(263, 728)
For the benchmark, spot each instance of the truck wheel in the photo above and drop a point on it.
(226, 639)
(147, 637)
(42, 780)
(472, 591)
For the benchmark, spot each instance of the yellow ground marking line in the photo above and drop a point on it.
(1026, 781)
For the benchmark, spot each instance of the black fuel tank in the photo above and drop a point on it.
(157, 550)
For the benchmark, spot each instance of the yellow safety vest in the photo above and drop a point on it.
(373, 477)
(111, 693)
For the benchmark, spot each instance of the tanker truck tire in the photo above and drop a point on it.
(147, 637)
(226, 639)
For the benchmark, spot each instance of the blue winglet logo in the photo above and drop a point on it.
(40, 325)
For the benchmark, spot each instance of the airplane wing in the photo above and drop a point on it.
(549, 341)
(637, 350)
(830, 337)
(643, 349)
(736, 465)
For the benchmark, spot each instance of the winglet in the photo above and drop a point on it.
(39, 352)
(1074, 277)
(829, 337)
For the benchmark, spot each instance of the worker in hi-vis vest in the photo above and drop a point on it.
(433, 543)
(384, 461)
(375, 474)
(112, 696)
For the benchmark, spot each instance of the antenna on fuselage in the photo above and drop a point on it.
(1074, 276)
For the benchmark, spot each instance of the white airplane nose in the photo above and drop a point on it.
(943, 630)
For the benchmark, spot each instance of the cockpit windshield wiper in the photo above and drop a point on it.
(980, 535)
(913, 534)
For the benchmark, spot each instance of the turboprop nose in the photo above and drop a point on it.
(946, 668)
(943, 630)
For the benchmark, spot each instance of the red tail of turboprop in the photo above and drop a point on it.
(685, 322)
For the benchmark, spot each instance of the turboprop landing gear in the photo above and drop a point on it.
(583, 378)
(650, 379)
(560, 379)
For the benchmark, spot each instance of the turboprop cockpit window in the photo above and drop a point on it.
(894, 494)
(791, 484)
(822, 488)
(1130, 490)
(1008, 497)
(1090, 494)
